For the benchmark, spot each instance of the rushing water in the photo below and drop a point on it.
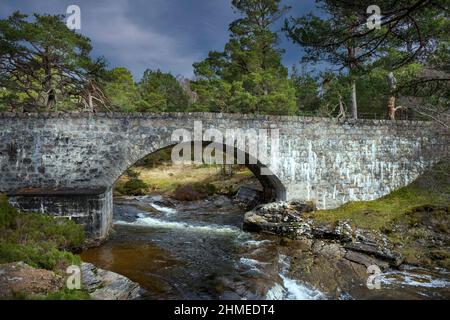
(197, 250)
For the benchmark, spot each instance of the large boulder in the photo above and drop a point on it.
(106, 285)
(18, 279)
(278, 217)
(21, 280)
(287, 219)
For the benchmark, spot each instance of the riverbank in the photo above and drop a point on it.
(407, 229)
(415, 218)
(36, 249)
(198, 250)
(35, 252)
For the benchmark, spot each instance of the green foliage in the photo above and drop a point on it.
(121, 90)
(3, 95)
(307, 92)
(45, 66)
(156, 92)
(162, 92)
(134, 187)
(34, 227)
(63, 294)
(152, 102)
(412, 43)
(213, 95)
(132, 174)
(39, 240)
(248, 77)
(37, 254)
(409, 28)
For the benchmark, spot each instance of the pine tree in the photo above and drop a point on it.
(44, 66)
(248, 76)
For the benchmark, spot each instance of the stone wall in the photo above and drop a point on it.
(90, 208)
(319, 159)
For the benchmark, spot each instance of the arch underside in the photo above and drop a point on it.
(273, 188)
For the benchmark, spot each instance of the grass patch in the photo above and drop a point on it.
(63, 294)
(38, 240)
(156, 173)
(39, 255)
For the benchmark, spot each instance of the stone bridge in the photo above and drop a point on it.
(66, 164)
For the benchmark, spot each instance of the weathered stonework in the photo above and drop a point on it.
(320, 159)
(90, 208)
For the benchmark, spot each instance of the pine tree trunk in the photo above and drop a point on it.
(48, 87)
(354, 102)
(91, 103)
(391, 107)
(392, 100)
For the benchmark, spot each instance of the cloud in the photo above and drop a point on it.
(167, 34)
(136, 34)
(120, 37)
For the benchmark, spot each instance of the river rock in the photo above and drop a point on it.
(328, 249)
(365, 260)
(283, 211)
(277, 217)
(106, 285)
(20, 278)
(325, 269)
(165, 203)
(382, 253)
(287, 219)
(340, 231)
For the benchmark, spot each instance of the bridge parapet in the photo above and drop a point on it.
(209, 116)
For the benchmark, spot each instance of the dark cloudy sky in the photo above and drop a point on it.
(165, 34)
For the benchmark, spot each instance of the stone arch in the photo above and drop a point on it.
(273, 188)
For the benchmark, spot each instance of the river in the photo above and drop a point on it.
(198, 250)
